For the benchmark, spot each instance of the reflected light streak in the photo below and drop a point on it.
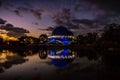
(61, 57)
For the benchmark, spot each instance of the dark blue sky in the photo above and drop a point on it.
(82, 15)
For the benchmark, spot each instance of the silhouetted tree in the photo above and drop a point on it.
(111, 33)
(1, 41)
(80, 39)
(28, 40)
(89, 38)
(43, 38)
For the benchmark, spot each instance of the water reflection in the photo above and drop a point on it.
(43, 54)
(8, 58)
(48, 62)
(61, 58)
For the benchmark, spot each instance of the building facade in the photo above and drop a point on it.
(61, 35)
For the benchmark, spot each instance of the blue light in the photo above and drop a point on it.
(61, 63)
(65, 41)
(58, 40)
(65, 52)
(53, 52)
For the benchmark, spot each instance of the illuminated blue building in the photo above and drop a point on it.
(61, 35)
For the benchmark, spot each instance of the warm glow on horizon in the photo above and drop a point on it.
(5, 37)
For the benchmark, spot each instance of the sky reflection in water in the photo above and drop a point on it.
(53, 64)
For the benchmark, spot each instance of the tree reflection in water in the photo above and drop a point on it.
(82, 63)
(43, 54)
(8, 58)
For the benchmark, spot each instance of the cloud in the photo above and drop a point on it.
(35, 23)
(36, 13)
(7, 5)
(101, 4)
(14, 31)
(62, 16)
(108, 4)
(103, 10)
(89, 24)
(10, 27)
(48, 29)
(17, 12)
(83, 21)
(24, 9)
(7, 27)
(20, 30)
(15, 34)
(2, 21)
(82, 5)
(74, 26)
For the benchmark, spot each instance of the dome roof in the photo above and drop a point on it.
(61, 30)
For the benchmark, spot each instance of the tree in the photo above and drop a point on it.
(89, 38)
(80, 39)
(43, 38)
(1, 41)
(28, 40)
(111, 33)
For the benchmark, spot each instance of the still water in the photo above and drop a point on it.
(57, 64)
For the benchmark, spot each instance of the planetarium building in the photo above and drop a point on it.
(61, 35)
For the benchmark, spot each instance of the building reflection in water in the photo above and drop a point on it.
(60, 58)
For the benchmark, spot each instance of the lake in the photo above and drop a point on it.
(58, 64)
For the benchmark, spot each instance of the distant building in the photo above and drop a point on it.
(61, 35)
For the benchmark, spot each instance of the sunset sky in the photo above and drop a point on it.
(36, 17)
